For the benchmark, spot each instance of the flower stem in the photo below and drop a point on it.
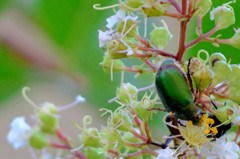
(175, 4)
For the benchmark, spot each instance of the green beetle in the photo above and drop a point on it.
(173, 89)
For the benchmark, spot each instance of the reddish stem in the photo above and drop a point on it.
(113, 152)
(190, 5)
(142, 55)
(201, 37)
(146, 127)
(156, 51)
(173, 15)
(139, 135)
(129, 69)
(183, 29)
(199, 25)
(237, 135)
(61, 136)
(143, 41)
(55, 145)
(138, 145)
(150, 64)
(175, 4)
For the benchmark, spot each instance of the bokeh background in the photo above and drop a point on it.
(52, 47)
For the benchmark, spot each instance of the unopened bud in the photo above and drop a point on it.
(134, 3)
(91, 137)
(153, 10)
(223, 15)
(122, 121)
(203, 7)
(224, 114)
(127, 92)
(235, 40)
(38, 140)
(200, 73)
(108, 62)
(48, 115)
(129, 27)
(97, 153)
(221, 72)
(160, 36)
(216, 57)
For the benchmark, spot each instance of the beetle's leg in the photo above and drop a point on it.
(189, 76)
(158, 108)
(215, 106)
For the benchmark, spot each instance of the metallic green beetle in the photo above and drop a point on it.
(174, 92)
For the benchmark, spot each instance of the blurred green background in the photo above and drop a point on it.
(52, 46)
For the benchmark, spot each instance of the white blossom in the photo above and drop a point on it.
(166, 154)
(221, 148)
(19, 132)
(104, 37)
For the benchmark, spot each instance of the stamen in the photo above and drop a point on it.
(206, 131)
(214, 130)
(97, 6)
(79, 99)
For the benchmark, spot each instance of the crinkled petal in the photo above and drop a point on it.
(104, 37)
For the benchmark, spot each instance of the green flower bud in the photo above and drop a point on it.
(216, 57)
(38, 140)
(127, 92)
(223, 15)
(129, 137)
(235, 40)
(47, 115)
(200, 73)
(160, 36)
(203, 7)
(47, 129)
(129, 25)
(221, 72)
(134, 3)
(233, 91)
(107, 64)
(143, 106)
(224, 113)
(91, 137)
(113, 137)
(153, 10)
(97, 153)
(122, 121)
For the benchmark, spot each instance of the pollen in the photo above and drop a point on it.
(207, 126)
(210, 121)
(214, 130)
(206, 131)
(190, 122)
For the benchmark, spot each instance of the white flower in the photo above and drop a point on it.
(119, 16)
(19, 132)
(166, 154)
(80, 99)
(104, 37)
(221, 148)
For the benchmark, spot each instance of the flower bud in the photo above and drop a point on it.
(91, 137)
(113, 137)
(97, 153)
(47, 115)
(38, 140)
(143, 106)
(223, 15)
(129, 137)
(233, 91)
(216, 57)
(129, 25)
(160, 36)
(47, 129)
(235, 40)
(107, 64)
(200, 73)
(127, 92)
(153, 10)
(203, 7)
(221, 72)
(122, 121)
(134, 3)
(224, 113)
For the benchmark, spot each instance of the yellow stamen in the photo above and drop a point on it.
(210, 121)
(214, 130)
(190, 122)
(206, 131)
(207, 126)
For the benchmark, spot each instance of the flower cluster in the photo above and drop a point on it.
(200, 97)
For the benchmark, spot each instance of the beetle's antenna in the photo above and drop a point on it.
(215, 106)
